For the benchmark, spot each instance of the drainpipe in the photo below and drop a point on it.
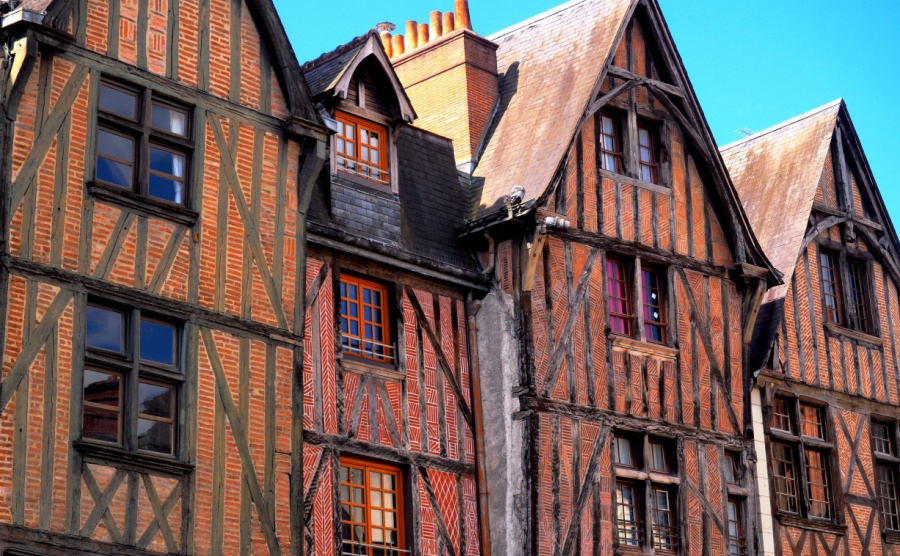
(482, 485)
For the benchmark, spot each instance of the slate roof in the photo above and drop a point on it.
(549, 66)
(323, 73)
(35, 5)
(776, 173)
(421, 225)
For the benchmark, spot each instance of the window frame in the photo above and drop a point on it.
(384, 150)
(737, 544)
(617, 154)
(888, 462)
(146, 137)
(662, 324)
(634, 319)
(652, 131)
(628, 317)
(367, 465)
(798, 445)
(857, 310)
(389, 360)
(133, 371)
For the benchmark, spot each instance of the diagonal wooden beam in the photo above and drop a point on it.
(251, 233)
(168, 260)
(388, 413)
(438, 515)
(30, 350)
(703, 328)
(442, 359)
(707, 507)
(316, 286)
(820, 227)
(622, 73)
(854, 455)
(160, 515)
(116, 239)
(310, 496)
(604, 100)
(584, 491)
(101, 504)
(266, 519)
(45, 138)
(356, 410)
(566, 335)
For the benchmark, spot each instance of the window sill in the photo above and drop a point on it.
(141, 461)
(891, 537)
(356, 180)
(145, 206)
(624, 343)
(622, 178)
(789, 520)
(838, 330)
(365, 367)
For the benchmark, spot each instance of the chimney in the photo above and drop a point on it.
(423, 34)
(451, 80)
(412, 35)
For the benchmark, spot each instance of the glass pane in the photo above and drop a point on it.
(350, 132)
(102, 388)
(377, 536)
(166, 189)
(118, 102)
(358, 497)
(373, 139)
(359, 515)
(158, 342)
(168, 119)
(388, 481)
(374, 479)
(345, 493)
(155, 400)
(377, 517)
(115, 145)
(101, 424)
(389, 501)
(167, 162)
(115, 173)
(105, 329)
(155, 436)
(376, 499)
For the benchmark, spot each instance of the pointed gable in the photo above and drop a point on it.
(548, 66)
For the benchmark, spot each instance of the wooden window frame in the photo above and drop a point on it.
(384, 150)
(661, 325)
(859, 293)
(856, 307)
(145, 137)
(629, 530)
(651, 165)
(887, 462)
(617, 152)
(646, 481)
(835, 313)
(737, 543)
(134, 371)
(627, 318)
(366, 466)
(388, 358)
(799, 446)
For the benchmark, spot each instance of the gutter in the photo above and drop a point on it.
(21, 15)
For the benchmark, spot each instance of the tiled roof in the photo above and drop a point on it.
(776, 173)
(323, 73)
(36, 5)
(557, 55)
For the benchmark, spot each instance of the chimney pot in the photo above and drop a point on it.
(461, 9)
(448, 22)
(385, 27)
(423, 34)
(436, 27)
(388, 46)
(412, 35)
(398, 45)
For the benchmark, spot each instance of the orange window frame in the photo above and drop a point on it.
(381, 350)
(368, 468)
(358, 162)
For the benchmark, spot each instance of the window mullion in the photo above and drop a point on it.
(144, 161)
(133, 383)
(850, 317)
(637, 302)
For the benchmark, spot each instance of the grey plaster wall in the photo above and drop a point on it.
(498, 354)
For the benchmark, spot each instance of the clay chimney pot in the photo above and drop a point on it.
(448, 22)
(461, 9)
(388, 46)
(423, 34)
(412, 35)
(398, 45)
(437, 29)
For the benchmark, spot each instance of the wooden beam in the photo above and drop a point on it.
(585, 490)
(438, 513)
(24, 57)
(646, 81)
(604, 100)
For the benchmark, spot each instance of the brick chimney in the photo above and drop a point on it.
(451, 79)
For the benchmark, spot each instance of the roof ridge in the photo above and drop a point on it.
(338, 51)
(786, 123)
(534, 19)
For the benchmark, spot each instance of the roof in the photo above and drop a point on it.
(420, 224)
(557, 55)
(35, 5)
(776, 173)
(330, 73)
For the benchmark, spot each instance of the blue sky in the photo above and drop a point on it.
(752, 63)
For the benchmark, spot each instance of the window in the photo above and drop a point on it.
(732, 468)
(131, 379)
(361, 149)
(654, 316)
(619, 299)
(648, 162)
(887, 467)
(610, 143)
(634, 481)
(809, 452)
(143, 143)
(845, 291)
(737, 542)
(371, 509)
(365, 326)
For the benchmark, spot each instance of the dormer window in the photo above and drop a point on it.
(361, 149)
(610, 143)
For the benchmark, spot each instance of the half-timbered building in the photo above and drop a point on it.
(624, 276)
(824, 350)
(156, 163)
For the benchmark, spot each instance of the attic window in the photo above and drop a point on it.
(361, 149)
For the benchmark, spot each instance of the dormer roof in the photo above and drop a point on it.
(330, 74)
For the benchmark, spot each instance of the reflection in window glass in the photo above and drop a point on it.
(156, 423)
(102, 401)
(105, 329)
(158, 342)
(115, 158)
(118, 102)
(169, 119)
(167, 175)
